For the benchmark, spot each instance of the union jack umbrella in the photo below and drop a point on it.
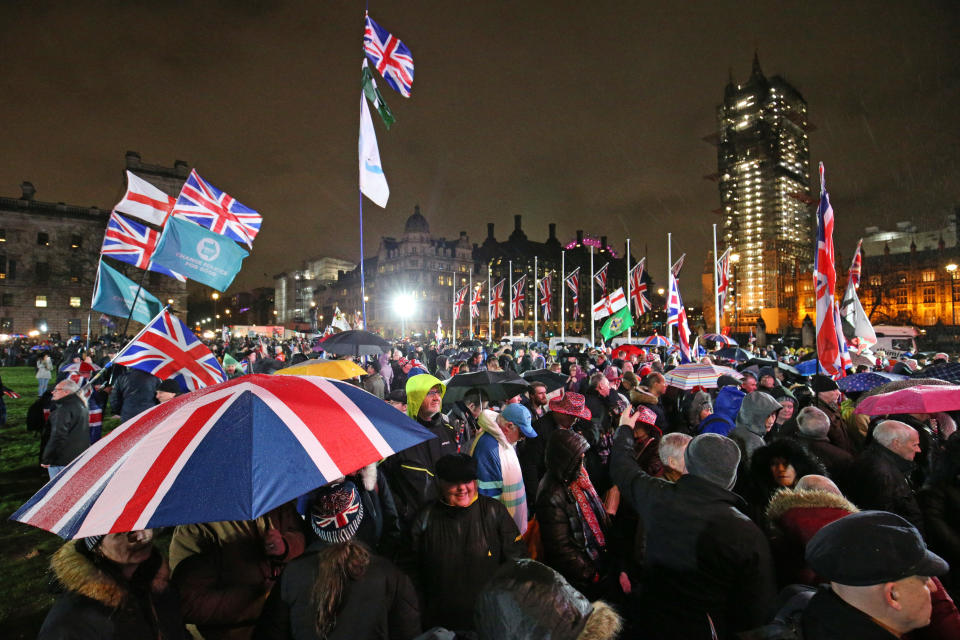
(232, 451)
(656, 341)
(718, 338)
(133, 243)
(390, 56)
(203, 203)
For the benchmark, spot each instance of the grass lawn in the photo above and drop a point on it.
(25, 593)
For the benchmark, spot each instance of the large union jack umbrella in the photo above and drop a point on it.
(656, 341)
(232, 451)
(718, 339)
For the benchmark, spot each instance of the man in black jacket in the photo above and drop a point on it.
(69, 428)
(708, 566)
(134, 392)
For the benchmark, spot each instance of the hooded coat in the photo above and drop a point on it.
(759, 485)
(96, 604)
(725, 410)
(751, 422)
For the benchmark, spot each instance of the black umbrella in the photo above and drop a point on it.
(949, 371)
(764, 362)
(551, 379)
(355, 343)
(498, 385)
(732, 353)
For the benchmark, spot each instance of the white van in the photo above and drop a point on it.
(556, 341)
(895, 341)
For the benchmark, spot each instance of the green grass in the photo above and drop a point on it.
(25, 594)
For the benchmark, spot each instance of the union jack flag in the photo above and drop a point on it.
(601, 278)
(723, 278)
(390, 56)
(573, 283)
(545, 296)
(831, 345)
(133, 243)
(203, 203)
(496, 299)
(475, 300)
(459, 299)
(677, 313)
(519, 293)
(853, 276)
(166, 348)
(638, 289)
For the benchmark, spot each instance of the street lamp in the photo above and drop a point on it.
(216, 297)
(403, 305)
(952, 270)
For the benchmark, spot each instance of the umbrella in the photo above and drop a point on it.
(921, 398)
(867, 380)
(551, 379)
(335, 369)
(807, 367)
(776, 364)
(733, 353)
(230, 451)
(688, 376)
(949, 371)
(901, 384)
(656, 341)
(717, 338)
(627, 351)
(356, 343)
(498, 385)
(39, 347)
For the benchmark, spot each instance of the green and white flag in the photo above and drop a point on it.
(617, 323)
(373, 95)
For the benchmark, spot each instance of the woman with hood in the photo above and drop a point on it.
(756, 417)
(776, 466)
(697, 407)
(725, 410)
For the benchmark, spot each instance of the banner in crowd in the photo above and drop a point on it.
(199, 254)
(115, 292)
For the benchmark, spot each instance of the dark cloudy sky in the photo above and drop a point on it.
(588, 114)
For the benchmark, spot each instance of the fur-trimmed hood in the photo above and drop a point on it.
(787, 499)
(603, 623)
(76, 572)
(804, 462)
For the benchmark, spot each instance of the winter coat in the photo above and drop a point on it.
(457, 549)
(693, 404)
(530, 453)
(704, 557)
(97, 605)
(940, 502)
(44, 368)
(133, 393)
(69, 431)
(380, 604)
(838, 431)
(879, 479)
(224, 574)
(827, 617)
(751, 423)
(758, 485)
(642, 395)
(727, 404)
(499, 475)
(833, 457)
(793, 518)
(375, 384)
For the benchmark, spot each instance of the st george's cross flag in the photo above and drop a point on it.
(609, 304)
(373, 182)
(496, 299)
(600, 277)
(475, 300)
(133, 243)
(638, 289)
(458, 301)
(546, 297)
(831, 345)
(167, 349)
(573, 283)
(202, 203)
(144, 201)
(519, 294)
(390, 56)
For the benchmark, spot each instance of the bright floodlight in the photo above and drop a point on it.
(403, 304)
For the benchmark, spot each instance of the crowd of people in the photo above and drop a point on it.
(608, 505)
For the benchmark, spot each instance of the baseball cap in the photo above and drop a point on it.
(520, 416)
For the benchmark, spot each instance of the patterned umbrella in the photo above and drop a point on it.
(949, 371)
(867, 380)
(656, 341)
(717, 338)
(688, 376)
(335, 369)
(230, 451)
(918, 399)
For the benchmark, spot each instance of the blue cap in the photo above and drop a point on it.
(520, 416)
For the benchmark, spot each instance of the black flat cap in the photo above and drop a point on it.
(457, 467)
(820, 383)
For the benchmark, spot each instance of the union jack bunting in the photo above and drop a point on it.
(601, 278)
(516, 300)
(545, 296)
(459, 299)
(573, 283)
(203, 203)
(133, 243)
(677, 313)
(145, 201)
(831, 345)
(853, 276)
(390, 56)
(723, 278)
(166, 348)
(638, 289)
(475, 300)
(496, 299)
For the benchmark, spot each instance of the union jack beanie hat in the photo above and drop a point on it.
(336, 512)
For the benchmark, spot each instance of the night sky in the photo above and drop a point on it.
(588, 114)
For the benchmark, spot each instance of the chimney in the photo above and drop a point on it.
(133, 159)
(182, 167)
(27, 190)
(603, 243)
(490, 231)
(553, 231)
(463, 235)
(516, 223)
(579, 237)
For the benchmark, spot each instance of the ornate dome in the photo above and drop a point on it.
(416, 223)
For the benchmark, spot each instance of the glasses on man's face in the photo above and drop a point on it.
(433, 392)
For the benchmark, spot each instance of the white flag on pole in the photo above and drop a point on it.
(609, 304)
(373, 183)
(145, 201)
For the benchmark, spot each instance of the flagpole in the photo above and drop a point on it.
(536, 301)
(630, 328)
(563, 292)
(592, 336)
(453, 312)
(716, 284)
(363, 284)
(669, 330)
(510, 266)
(96, 281)
(133, 305)
(489, 314)
(470, 309)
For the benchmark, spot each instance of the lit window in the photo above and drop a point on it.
(74, 302)
(41, 301)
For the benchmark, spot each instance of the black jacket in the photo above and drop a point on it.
(69, 431)
(703, 555)
(456, 550)
(380, 604)
(940, 502)
(879, 479)
(133, 393)
(827, 617)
